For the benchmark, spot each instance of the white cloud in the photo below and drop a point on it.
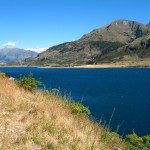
(39, 50)
(10, 44)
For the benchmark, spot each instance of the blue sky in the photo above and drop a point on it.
(39, 24)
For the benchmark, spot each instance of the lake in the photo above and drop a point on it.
(125, 89)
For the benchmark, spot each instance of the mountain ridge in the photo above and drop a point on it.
(127, 27)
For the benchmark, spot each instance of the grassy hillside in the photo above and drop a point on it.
(36, 120)
(137, 52)
(75, 53)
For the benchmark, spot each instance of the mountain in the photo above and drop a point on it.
(15, 54)
(94, 46)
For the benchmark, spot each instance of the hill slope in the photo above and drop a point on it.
(136, 53)
(97, 43)
(15, 54)
(43, 121)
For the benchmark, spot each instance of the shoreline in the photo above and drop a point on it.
(122, 64)
(140, 64)
(115, 65)
(80, 67)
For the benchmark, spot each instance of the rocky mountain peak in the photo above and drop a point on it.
(126, 23)
(122, 31)
(122, 22)
(128, 27)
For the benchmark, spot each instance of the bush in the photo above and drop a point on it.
(4, 75)
(28, 83)
(137, 142)
(79, 109)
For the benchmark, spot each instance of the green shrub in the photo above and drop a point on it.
(4, 75)
(28, 83)
(137, 142)
(79, 109)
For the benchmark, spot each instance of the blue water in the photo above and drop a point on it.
(125, 89)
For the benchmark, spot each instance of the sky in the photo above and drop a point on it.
(40, 24)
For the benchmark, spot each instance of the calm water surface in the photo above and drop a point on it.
(125, 89)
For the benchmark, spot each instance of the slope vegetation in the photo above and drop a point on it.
(136, 53)
(43, 121)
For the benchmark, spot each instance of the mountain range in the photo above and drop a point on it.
(120, 40)
(15, 54)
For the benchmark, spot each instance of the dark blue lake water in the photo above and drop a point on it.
(125, 89)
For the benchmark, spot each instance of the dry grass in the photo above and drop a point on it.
(34, 121)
